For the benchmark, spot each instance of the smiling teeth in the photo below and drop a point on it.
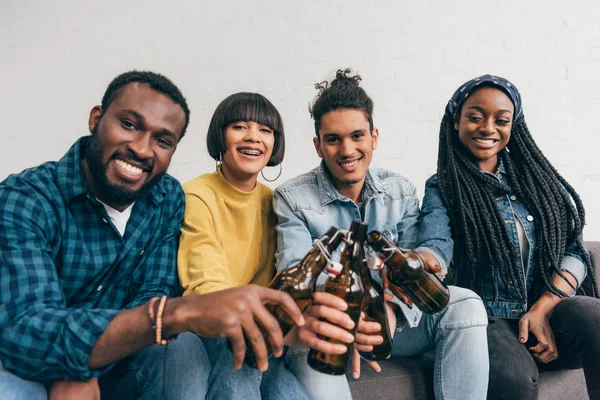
(349, 164)
(486, 141)
(250, 152)
(129, 168)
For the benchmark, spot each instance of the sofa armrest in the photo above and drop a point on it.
(594, 248)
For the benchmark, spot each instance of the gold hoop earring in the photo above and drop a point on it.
(272, 180)
(218, 163)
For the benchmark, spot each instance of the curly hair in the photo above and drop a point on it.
(343, 92)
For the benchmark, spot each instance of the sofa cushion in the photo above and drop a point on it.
(412, 377)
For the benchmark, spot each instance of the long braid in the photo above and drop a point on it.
(478, 228)
(557, 206)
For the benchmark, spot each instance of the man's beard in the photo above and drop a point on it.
(110, 193)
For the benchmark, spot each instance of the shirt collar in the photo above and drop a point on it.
(70, 177)
(72, 182)
(328, 192)
(501, 169)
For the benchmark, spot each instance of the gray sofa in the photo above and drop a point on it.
(412, 377)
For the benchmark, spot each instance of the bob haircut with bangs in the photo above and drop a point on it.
(245, 106)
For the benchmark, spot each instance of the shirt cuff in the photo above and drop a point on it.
(439, 259)
(575, 267)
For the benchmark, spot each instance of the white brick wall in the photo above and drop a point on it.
(57, 58)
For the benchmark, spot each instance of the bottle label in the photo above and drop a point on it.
(374, 262)
(333, 268)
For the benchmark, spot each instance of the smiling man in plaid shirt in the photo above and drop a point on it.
(87, 242)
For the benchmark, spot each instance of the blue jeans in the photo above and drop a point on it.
(320, 386)
(177, 371)
(458, 335)
(14, 388)
(249, 383)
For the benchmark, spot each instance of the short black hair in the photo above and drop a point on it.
(343, 92)
(158, 82)
(245, 106)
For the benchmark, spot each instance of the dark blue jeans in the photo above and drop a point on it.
(177, 371)
(513, 370)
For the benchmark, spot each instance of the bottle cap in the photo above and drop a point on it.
(333, 269)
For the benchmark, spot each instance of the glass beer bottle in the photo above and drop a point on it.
(347, 285)
(299, 281)
(407, 270)
(375, 310)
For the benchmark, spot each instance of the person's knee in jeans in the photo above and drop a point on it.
(462, 363)
(513, 371)
(465, 310)
(179, 370)
(13, 387)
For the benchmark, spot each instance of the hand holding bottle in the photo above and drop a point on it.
(406, 269)
(368, 335)
(326, 317)
(431, 263)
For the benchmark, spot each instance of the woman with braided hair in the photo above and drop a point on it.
(512, 226)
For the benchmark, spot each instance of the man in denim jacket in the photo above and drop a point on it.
(344, 188)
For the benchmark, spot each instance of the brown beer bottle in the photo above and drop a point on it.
(375, 311)
(347, 285)
(299, 281)
(407, 270)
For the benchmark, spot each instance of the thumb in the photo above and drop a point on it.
(523, 330)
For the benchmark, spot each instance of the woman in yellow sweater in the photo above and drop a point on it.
(228, 236)
(228, 239)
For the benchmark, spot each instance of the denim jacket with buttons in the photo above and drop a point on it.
(308, 205)
(435, 236)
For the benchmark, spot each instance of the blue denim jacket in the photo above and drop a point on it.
(308, 205)
(435, 236)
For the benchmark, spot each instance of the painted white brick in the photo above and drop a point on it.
(57, 58)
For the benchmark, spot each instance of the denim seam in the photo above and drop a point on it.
(297, 355)
(460, 328)
(458, 301)
(439, 368)
(358, 382)
(563, 333)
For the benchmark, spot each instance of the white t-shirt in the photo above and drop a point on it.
(118, 218)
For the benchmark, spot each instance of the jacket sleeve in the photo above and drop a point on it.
(407, 227)
(293, 237)
(573, 263)
(435, 235)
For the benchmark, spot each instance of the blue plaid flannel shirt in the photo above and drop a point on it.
(66, 272)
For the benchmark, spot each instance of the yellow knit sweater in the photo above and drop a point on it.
(228, 236)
